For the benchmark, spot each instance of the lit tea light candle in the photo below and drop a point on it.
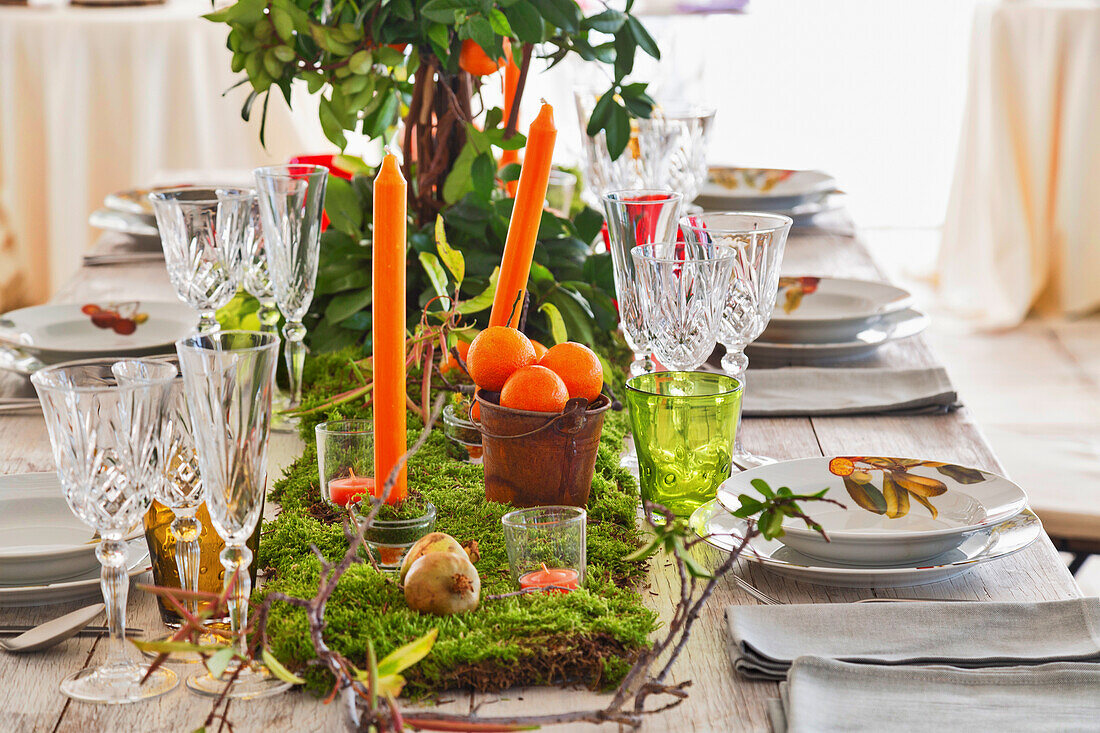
(344, 491)
(562, 578)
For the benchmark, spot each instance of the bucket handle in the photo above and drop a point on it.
(574, 409)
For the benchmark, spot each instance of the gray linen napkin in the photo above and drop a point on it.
(826, 695)
(809, 391)
(764, 640)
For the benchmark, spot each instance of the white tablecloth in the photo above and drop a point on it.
(1023, 223)
(94, 100)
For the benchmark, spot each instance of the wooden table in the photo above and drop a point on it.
(29, 699)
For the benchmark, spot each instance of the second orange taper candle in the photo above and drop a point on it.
(388, 326)
(523, 230)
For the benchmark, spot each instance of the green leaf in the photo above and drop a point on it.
(762, 486)
(588, 223)
(330, 124)
(557, 325)
(641, 35)
(600, 113)
(342, 205)
(452, 258)
(624, 53)
(347, 304)
(217, 663)
(510, 172)
(443, 11)
(564, 14)
(406, 656)
(276, 668)
(284, 24)
(459, 181)
(360, 62)
(618, 131)
(609, 21)
(481, 31)
(436, 276)
(482, 300)
(159, 647)
(483, 173)
(499, 23)
(646, 551)
(525, 20)
(578, 320)
(772, 526)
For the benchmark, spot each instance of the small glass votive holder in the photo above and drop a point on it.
(546, 546)
(463, 436)
(560, 188)
(345, 460)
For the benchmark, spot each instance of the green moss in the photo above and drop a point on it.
(588, 636)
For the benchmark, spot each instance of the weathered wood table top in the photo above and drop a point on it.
(29, 697)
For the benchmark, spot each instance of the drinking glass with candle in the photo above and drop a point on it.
(291, 199)
(546, 546)
(749, 298)
(345, 461)
(201, 231)
(229, 378)
(104, 436)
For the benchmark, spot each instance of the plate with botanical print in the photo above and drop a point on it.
(57, 333)
(884, 511)
(724, 531)
(822, 310)
(733, 188)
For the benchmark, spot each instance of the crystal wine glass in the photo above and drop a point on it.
(667, 150)
(255, 276)
(228, 378)
(180, 488)
(634, 217)
(681, 290)
(201, 232)
(759, 240)
(104, 436)
(292, 198)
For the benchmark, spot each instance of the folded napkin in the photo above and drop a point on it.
(826, 695)
(809, 391)
(764, 640)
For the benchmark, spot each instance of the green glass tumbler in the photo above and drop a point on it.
(684, 425)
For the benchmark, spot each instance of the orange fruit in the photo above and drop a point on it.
(450, 362)
(475, 412)
(473, 59)
(841, 466)
(540, 350)
(578, 366)
(534, 388)
(495, 354)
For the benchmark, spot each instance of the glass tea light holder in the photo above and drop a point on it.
(463, 435)
(546, 547)
(345, 464)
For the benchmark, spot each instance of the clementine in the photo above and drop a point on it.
(473, 59)
(495, 353)
(540, 350)
(534, 388)
(578, 366)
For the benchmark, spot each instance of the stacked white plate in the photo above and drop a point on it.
(899, 521)
(832, 319)
(52, 334)
(791, 192)
(47, 555)
(128, 212)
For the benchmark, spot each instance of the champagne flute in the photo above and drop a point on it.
(228, 379)
(105, 438)
(255, 276)
(291, 199)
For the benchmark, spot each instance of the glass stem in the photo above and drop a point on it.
(642, 364)
(208, 322)
(115, 586)
(295, 351)
(236, 559)
(268, 314)
(186, 529)
(736, 365)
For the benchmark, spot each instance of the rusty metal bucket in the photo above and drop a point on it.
(532, 459)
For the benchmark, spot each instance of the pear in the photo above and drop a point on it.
(442, 583)
(431, 542)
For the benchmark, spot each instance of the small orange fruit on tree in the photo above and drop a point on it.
(578, 366)
(473, 59)
(540, 350)
(534, 388)
(495, 354)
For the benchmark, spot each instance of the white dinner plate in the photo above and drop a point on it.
(889, 328)
(894, 510)
(724, 531)
(123, 221)
(57, 333)
(84, 586)
(41, 540)
(812, 309)
(771, 189)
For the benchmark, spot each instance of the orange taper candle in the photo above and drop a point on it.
(511, 82)
(523, 230)
(388, 326)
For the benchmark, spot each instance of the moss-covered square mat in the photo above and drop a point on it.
(589, 636)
